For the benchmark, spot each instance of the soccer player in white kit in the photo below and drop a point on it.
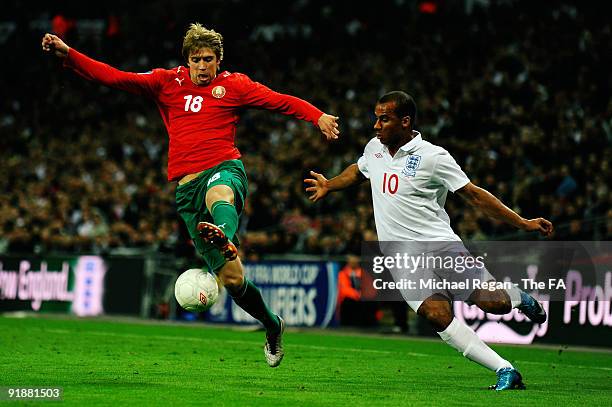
(410, 178)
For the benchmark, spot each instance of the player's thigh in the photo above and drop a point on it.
(191, 208)
(461, 276)
(191, 201)
(187, 210)
(211, 255)
(419, 287)
(228, 182)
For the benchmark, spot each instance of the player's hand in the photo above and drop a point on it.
(329, 126)
(541, 225)
(53, 43)
(318, 186)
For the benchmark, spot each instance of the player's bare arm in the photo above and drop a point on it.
(53, 43)
(321, 186)
(494, 208)
(328, 125)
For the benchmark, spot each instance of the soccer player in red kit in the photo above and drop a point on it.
(200, 107)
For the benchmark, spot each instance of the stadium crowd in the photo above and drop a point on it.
(519, 93)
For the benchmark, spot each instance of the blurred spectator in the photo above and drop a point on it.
(355, 305)
(536, 101)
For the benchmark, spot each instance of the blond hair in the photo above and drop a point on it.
(198, 37)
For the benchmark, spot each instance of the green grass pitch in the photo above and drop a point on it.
(106, 362)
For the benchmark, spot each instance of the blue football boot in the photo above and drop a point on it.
(532, 308)
(508, 378)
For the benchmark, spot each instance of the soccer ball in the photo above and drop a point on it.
(196, 290)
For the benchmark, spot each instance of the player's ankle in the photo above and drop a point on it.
(274, 327)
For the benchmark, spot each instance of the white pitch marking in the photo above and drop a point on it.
(340, 349)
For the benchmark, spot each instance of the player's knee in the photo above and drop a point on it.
(232, 275)
(219, 193)
(232, 281)
(494, 302)
(438, 312)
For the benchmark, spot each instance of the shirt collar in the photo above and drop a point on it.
(414, 143)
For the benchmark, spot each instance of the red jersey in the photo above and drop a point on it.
(200, 120)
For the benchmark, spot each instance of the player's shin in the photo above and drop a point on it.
(464, 339)
(248, 297)
(225, 217)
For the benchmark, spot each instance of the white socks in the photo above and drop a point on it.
(515, 296)
(464, 339)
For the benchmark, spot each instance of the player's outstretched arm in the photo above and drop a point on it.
(93, 70)
(53, 43)
(485, 201)
(328, 125)
(319, 186)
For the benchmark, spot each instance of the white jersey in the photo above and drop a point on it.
(409, 190)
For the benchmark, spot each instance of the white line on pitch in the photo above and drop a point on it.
(561, 364)
(339, 349)
(239, 342)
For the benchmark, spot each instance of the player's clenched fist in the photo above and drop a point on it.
(53, 43)
(544, 226)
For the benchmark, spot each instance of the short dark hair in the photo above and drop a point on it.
(404, 104)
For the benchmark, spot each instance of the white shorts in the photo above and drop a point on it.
(452, 272)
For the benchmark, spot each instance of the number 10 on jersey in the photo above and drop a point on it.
(390, 183)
